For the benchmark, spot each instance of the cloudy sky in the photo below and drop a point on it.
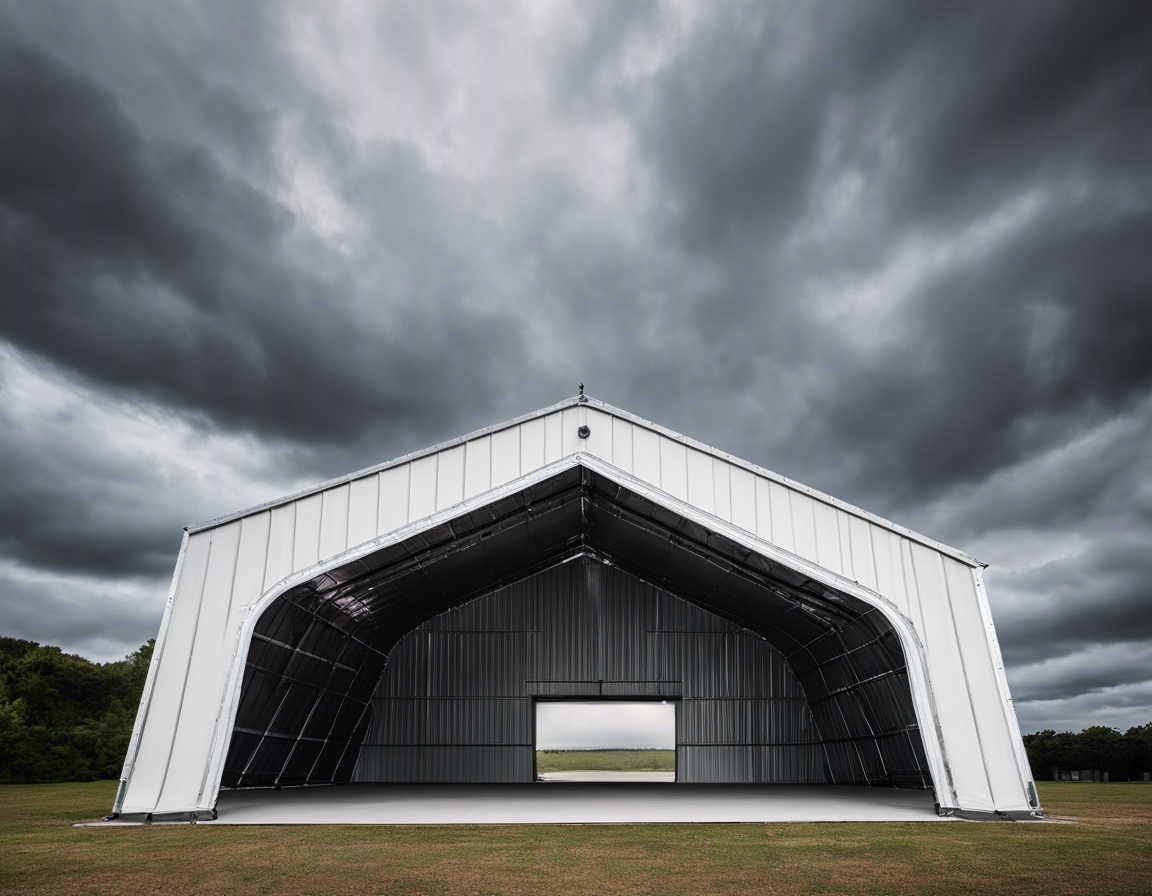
(899, 252)
(572, 725)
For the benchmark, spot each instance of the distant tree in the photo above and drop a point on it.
(1124, 756)
(1137, 751)
(62, 717)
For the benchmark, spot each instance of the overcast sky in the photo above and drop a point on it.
(899, 252)
(572, 725)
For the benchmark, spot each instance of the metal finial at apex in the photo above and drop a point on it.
(581, 396)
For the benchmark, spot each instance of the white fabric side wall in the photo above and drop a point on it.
(163, 712)
(194, 723)
(936, 592)
(1007, 780)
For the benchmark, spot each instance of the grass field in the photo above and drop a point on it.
(1106, 851)
(606, 760)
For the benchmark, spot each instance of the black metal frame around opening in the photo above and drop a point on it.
(674, 701)
(319, 649)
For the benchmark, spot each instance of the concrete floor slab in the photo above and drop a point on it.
(572, 803)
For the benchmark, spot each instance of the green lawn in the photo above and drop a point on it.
(1107, 850)
(606, 760)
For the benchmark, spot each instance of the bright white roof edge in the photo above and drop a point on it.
(577, 401)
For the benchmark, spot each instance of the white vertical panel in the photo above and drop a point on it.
(477, 467)
(156, 739)
(571, 419)
(887, 569)
(646, 453)
(622, 444)
(701, 486)
(247, 587)
(281, 544)
(764, 510)
(803, 525)
(248, 584)
(334, 521)
(995, 737)
(422, 487)
(723, 490)
(393, 498)
(505, 455)
(362, 509)
(900, 593)
(450, 478)
(200, 699)
(781, 517)
(553, 439)
(599, 441)
(863, 560)
(827, 537)
(306, 547)
(532, 436)
(744, 499)
(674, 468)
(915, 613)
(953, 707)
(844, 527)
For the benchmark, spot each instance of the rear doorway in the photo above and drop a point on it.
(606, 741)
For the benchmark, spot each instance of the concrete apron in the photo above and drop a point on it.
(571, 803)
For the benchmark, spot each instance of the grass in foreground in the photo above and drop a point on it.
(606, 760)
(1105, 852)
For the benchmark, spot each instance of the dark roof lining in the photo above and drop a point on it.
(485, 548)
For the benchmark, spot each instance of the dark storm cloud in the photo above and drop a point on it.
(149, 268)
(899, 251)
(950, 113)
(1093, 671)
(976, 362)
(96, 618)
(1081, 601)
(71, 510)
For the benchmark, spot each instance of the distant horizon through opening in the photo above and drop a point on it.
(605, 740)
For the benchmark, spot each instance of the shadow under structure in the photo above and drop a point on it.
(400, 624)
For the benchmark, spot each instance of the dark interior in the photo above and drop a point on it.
(319, 651)
(456, 703)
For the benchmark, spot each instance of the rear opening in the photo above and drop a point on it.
(606, 741)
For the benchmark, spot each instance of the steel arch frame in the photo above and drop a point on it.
(914, 652)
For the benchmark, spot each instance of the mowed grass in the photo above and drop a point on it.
(1107, 850)
(606, 760)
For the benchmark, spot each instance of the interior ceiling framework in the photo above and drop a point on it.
(318, 650)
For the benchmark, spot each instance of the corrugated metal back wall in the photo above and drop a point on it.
(456, 699)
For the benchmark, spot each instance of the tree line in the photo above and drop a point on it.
(1125, 757)
(65, 718)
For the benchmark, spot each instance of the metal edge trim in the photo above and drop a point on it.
(919, 681)
(230, 699)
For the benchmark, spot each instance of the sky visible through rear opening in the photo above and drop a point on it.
(605, 725)
(898, 251)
